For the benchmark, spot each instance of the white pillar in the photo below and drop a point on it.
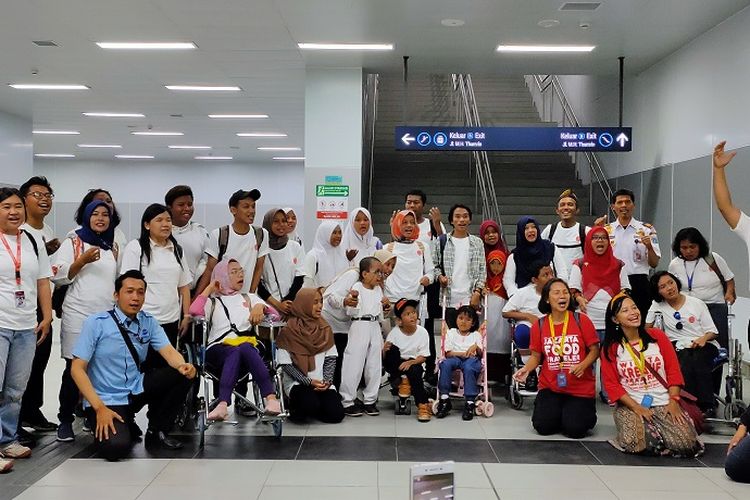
(16, 150)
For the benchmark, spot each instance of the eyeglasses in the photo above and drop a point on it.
(600, 238)
(40, 196)
(678, 317)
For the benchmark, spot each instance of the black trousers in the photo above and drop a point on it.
(562, 413)
(391, 363)
(33, 398)
(434, 311)
(696, 367)
(340, 339)
(305, 402)
(68, 396)
(719, 314)
(153, 358)
(639, 290)
(164, 391)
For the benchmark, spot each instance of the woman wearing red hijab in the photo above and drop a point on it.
(498, 330)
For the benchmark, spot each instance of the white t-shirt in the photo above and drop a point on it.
(42, 237)
(239, 312)
(455, 342)
(625, 248)
(526, 300)
(164, 275)
(89, 292)
(460, 283)
(596, 308)
(411, 346)
(281, 267)
(243, 248)
(413, 261)
(193, 238)
(284, 358)
(33, 268)
(694, 316)
(425, 232)
(568, 245)
(368, 303)
(334, 311)
(705, 283)
(743, 231)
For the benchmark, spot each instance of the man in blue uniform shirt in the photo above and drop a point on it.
(107, 369)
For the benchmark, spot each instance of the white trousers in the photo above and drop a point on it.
(362, 354)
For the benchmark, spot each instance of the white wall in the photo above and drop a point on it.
(134, 185)
(16, 150)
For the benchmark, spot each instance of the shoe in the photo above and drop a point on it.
(353, 411)
(6, 465)
(243, 408)
(468, 413)
(65, 432)
(26, 438)
(273, 407)
(161, 439)
(424, 414)
(444, 408)
(372, 410)
(532, 382)
(15, 450)
(404, 388)
(40, 424)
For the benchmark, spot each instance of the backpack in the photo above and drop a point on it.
(715, 268)
(581, 236)
(224, 239)
(33, 241)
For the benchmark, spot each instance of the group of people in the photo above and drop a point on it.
(355, 308)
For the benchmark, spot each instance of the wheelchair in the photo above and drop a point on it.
(517, 391)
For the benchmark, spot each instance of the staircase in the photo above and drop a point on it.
(525, 183)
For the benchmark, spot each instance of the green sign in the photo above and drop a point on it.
(331, 190)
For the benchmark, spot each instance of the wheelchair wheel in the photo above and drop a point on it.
(734, 410)
(479, 408)
(407, 407)
(489, 409)
(516, 400)
(277, 425)
(202, 426)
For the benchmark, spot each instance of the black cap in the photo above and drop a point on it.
(402, 304)
(241, 194)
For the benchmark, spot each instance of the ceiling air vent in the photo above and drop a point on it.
(176, 115)
(45, 43)
(580, 6)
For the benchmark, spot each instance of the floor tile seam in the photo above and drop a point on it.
(489, 479)
(299, 449)
(701, 470)
(591, 452)
(161, 471)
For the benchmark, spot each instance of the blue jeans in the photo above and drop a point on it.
(471, 367)
(17, 348)
(737, 465)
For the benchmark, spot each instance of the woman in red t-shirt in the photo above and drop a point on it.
(647, 414)
(565, 345)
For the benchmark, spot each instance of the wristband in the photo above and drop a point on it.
(675, 398)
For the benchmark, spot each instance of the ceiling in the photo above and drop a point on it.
(252, 44)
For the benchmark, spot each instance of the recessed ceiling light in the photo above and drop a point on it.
(147, 45)
(345, 46)
(580, 6)
(178, 146)
(452, 23)
(135, 157)
(278, 149)
(548, 23)
(239, 116)
(289, 158)
(44, 43)
(48, 86)
(158, 133)
(97, 114)
(213, 157)
(260, 134)
(114, 146)
(53, 155)
(205, 88)
(545, 48)
(56, 132)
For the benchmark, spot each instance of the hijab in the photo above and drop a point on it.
(102, 240)
(304, 336)
(351, 240)
(497, 246)
(274, 242)
(330, 260)
(221, 274)
(495, 281)
(398, 221)
(527, 253)
(599, 272)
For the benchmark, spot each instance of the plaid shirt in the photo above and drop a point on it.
(477, 264)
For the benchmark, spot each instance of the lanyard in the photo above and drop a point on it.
(17, 259)
(639, 359)
(562, 337)
(690, 276)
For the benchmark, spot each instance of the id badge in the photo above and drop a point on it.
(562, 380)
(647, 401)
(20, 296)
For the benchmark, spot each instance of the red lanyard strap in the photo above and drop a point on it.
(17, 259)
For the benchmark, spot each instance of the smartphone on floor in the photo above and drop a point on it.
(433, 481)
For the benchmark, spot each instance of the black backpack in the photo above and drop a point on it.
(581, 236)
(224, 239)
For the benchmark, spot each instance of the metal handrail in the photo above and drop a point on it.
(369, 111)
(546, 82)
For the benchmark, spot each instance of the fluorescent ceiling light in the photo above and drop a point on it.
(97, 114)
(545, 48)
(213, 158)
(345, 46)
(56, 132)
(178, 146)
(135, 157)
(260, 134)
(206, 88)
(113, 146)
(289, 158)
(158, 133)
(239, 116)
(147, 45)
(278, 149)
(53, 155)
(47, 86)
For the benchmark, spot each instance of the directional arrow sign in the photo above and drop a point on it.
(622, 139)
(407, 139)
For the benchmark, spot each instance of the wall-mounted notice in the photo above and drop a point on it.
(332, 201)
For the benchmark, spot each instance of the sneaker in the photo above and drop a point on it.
(244, 409)
(65, 432)
(532, 382)
(468, 413)
(5, 465)
(404, 388)
(85, 425)
(353, 411)
(444, 408)
(25, 438)
(39, 424)
(372, 410)
(424, 414)
(15, 450)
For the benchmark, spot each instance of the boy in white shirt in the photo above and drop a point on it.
(192, 236)
(463, 351)
(404, 352)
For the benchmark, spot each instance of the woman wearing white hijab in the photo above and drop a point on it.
(327, 258)
(359, 240)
